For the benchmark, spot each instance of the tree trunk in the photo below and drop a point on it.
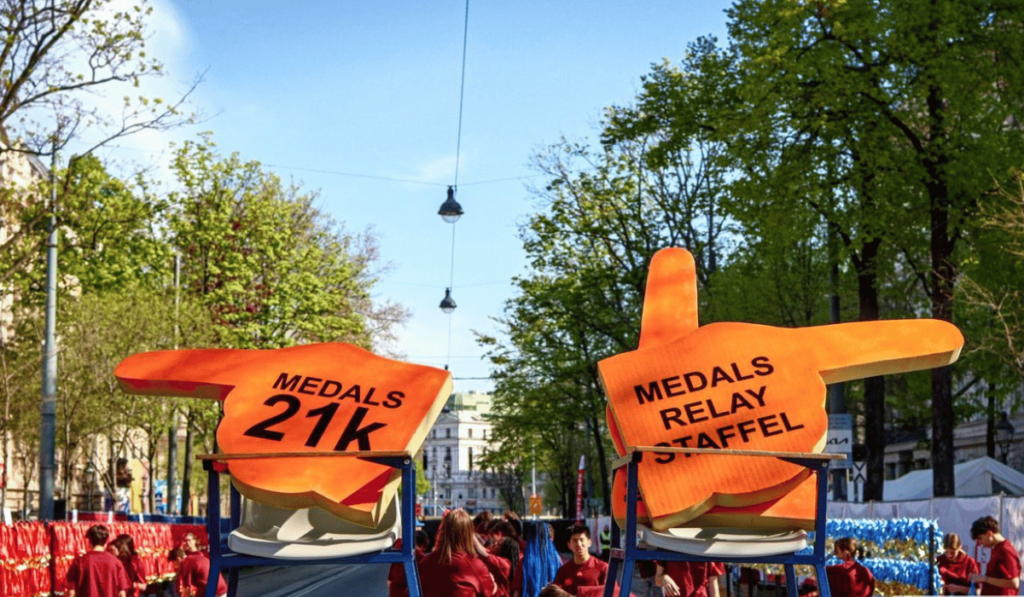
(942, 276)
(186, 482)
(990, 422)
(874, 387)
(171, 493)
(602, 463)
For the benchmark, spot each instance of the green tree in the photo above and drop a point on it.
(918, 97)
(58, 58)
(601, 217)
(271, 268)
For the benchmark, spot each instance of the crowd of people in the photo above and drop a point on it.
(472, 560)
(112, 568)
(488, 556)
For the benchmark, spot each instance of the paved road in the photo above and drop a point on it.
(357, 580)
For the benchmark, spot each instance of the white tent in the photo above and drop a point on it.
(979, 477)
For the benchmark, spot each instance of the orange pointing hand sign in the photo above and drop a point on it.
(318, 397)
(740, 386)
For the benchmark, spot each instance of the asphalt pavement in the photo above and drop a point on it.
(356, 580)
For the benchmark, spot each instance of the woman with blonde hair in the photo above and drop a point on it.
(458, 564)
(955, 566)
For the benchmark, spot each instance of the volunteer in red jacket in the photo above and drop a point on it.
(851, 578)
(398, 585)
(583, 570)
(97, 572)
(1002, 572)
(689, 579)
(455, 567)
(955, 566)
(195, 573)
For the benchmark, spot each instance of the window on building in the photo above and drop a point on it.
(448, 432)
(472, 493)
(470, 460)
(471, 432)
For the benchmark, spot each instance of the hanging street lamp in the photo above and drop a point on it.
(450, 210)
(447, 303)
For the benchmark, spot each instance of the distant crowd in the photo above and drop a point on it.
(489, 556)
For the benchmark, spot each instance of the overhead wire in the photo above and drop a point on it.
(458, 154)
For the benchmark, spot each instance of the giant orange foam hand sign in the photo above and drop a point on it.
(740, 386)
(318, 397)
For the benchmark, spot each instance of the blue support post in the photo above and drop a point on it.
(630, 552)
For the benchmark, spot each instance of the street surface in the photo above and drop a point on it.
(356, 580)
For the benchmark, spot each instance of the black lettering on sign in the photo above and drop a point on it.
(285, 383)
(394, 399)
(671, 415)
(699, 385)
(354, 433)
(650, 394)
(326, 413)
(664, 458)
(262, 429)
(762, 365)
(719, 375)
(309, 385)
(330, 389)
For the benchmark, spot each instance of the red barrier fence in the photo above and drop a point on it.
(33, 553)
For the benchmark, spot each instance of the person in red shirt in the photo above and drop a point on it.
(124, 550)
(398, 586)
(582, 570)
(689, 579)
(1002, 571)
(955, 566)
(97, 573)
(455, 567)
(851, 578)
(194, 575)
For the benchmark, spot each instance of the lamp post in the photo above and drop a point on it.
(1004, 436)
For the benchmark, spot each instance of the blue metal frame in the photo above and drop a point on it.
(221, 556)
(630, 552)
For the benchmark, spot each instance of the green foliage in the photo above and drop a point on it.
(54, 54)
(271, 268)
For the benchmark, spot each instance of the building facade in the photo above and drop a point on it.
(451, 454)
(910, 453)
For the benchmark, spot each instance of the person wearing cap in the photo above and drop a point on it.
(1002, 571)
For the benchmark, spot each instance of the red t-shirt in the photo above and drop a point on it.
(1003, 563)
(465, 576)
(957, 572)
(500, 570)
(851, 579)
(195, 571)
(588, 574)
(398, 585)
(97, 574)
(692, 577)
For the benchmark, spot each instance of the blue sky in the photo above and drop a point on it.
(335, 93)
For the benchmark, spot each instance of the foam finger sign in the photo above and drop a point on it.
(740, 386)
(317, 397)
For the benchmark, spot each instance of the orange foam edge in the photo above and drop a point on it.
(796, 509)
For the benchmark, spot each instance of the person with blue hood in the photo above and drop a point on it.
(540, 558)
